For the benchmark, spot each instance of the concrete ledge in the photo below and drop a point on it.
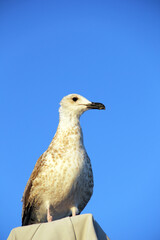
(82, 227)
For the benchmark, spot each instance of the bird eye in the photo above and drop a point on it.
(74, 99)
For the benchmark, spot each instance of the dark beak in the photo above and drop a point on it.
(95, 105)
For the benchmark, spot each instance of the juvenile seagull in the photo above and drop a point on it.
(61, 183)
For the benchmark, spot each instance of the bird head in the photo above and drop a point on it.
(75, 104)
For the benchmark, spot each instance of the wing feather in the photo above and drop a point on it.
(27, 205)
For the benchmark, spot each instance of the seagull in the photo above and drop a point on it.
(61, 183)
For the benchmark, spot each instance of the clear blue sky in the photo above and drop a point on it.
(109, 52)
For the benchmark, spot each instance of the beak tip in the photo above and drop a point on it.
(103, 108)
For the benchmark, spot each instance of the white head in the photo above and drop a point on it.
(74, 105)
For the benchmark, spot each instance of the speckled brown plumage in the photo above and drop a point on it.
(61, 183)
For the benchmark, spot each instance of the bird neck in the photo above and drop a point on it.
(68, 120)
(69, 129)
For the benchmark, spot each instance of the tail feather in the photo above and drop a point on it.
(29, 216)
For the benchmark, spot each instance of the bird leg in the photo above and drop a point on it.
(49, 217)
(74, 211)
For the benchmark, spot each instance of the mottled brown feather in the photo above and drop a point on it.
(26, 194)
